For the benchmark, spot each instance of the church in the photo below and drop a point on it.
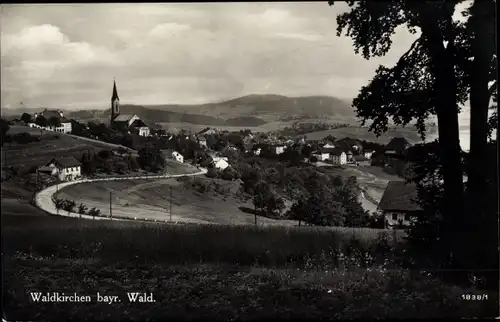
(125, 122)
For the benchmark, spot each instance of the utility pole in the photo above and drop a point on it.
(170, 204)
(110, 205)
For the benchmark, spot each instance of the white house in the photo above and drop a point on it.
(329, 145)
(173, 155)
(321, 156)
(338, 156)
(399, 204)
(220, 162)
(144, 131)
(65, 124)
(177, 157)
(257, 151)
(66, 169)
(279, 149)
(368, 154)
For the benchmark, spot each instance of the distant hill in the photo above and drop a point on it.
(250, 110)
(269, 107)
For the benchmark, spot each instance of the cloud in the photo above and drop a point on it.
(45, 46)
(178, 53)
(166, 30)
(305, 37)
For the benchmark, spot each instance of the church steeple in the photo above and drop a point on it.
(115, 92)
(115, 103)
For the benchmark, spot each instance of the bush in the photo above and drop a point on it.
(212, 173)
(24, 138)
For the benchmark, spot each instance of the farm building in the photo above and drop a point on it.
(66, 169)
(399, 203)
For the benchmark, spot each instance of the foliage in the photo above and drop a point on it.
(24, 138)
(82, 209)
(4, 129)
(69, 205)
(151, 159)
(94, 212)
(54, 121)
(26, 118)
(41, 121)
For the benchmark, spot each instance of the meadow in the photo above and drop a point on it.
(363, 134)
(221, 272)
(51, 145)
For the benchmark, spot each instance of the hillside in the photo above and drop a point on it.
(269, 107)
(250, 110)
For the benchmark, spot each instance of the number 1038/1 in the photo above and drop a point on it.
(475, 297)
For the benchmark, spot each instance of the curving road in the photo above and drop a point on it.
(44, 201)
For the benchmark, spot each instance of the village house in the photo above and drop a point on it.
(399, 204)
(220, 163)
(321, 155)
(130, 122)
(66, 169)
(398, 144)
(338, 157)
(65, 124)
(350, 157)
(172, 155)
(361, 160)
(202, 141)
(368, 154)
(278, 149)
(207, 131)
(256, 150)
(329, 145)
(300, 141)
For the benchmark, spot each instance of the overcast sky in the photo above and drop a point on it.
(66, 55)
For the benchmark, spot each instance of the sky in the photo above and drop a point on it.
(66, 55)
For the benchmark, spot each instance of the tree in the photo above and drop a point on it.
(481, 28)
(59, 203)
(428, 79)
(41, 121)
(82, 209)
(298, 211)
(69, 205)
(5, 128)
(26, 118)
(94, 212)
(54, 121)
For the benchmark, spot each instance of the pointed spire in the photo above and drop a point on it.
(115, 92)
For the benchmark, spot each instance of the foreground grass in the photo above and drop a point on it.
(220, 272)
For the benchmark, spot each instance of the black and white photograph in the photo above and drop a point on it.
(316, 160)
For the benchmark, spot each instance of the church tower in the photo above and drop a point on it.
(115, 103)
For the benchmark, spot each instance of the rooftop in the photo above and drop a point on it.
(123, 118)
(66, 162)
(399, 196)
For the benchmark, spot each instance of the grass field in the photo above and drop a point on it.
(221, 272)
(52, 144)
(151, 199)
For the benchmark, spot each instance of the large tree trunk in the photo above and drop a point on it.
(482, 27)
(445, 87)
